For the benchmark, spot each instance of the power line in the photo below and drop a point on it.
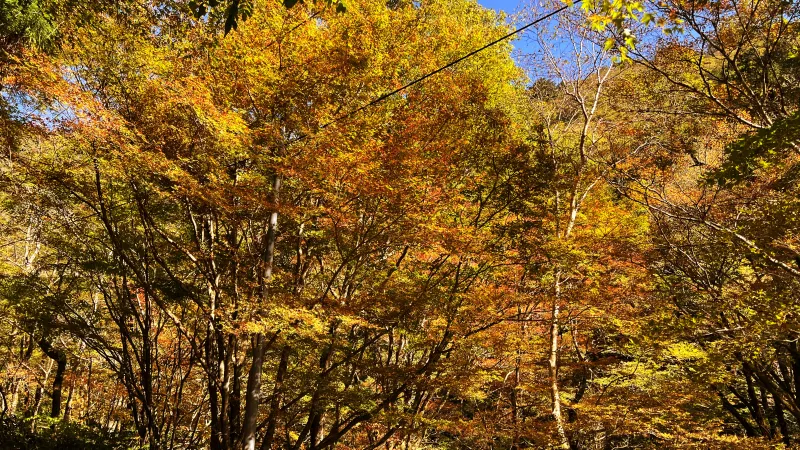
(409, 84)
(430, 74)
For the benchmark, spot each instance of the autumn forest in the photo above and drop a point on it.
(399, 225)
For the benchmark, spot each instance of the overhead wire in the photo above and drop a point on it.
(423, 77)
(434, 72)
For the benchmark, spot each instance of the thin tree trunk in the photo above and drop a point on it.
(748, 428)
(316, 411)
(275, 404)
(253, 393)
(553, 366)
(765, 407)
(26, 350)
(35, 410)
(784, 427)
(68, 404)
(216, 431)
(234, 419)
(795, 352)
(90, 371)
(758, 413)
(515, 415)
(61, 364)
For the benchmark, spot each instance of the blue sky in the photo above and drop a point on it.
(510, 7)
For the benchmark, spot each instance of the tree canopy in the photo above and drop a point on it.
(209, 241)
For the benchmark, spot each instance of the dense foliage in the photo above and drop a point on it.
(587, 246)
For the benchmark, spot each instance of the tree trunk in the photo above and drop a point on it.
(758, 413)
(67, 405)
(553, 366)
(60, 359)
(784, 427)
(34, 411)
(253, 394)
(213, 391)
(748, 428)
(234, 419)
(275, 404)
